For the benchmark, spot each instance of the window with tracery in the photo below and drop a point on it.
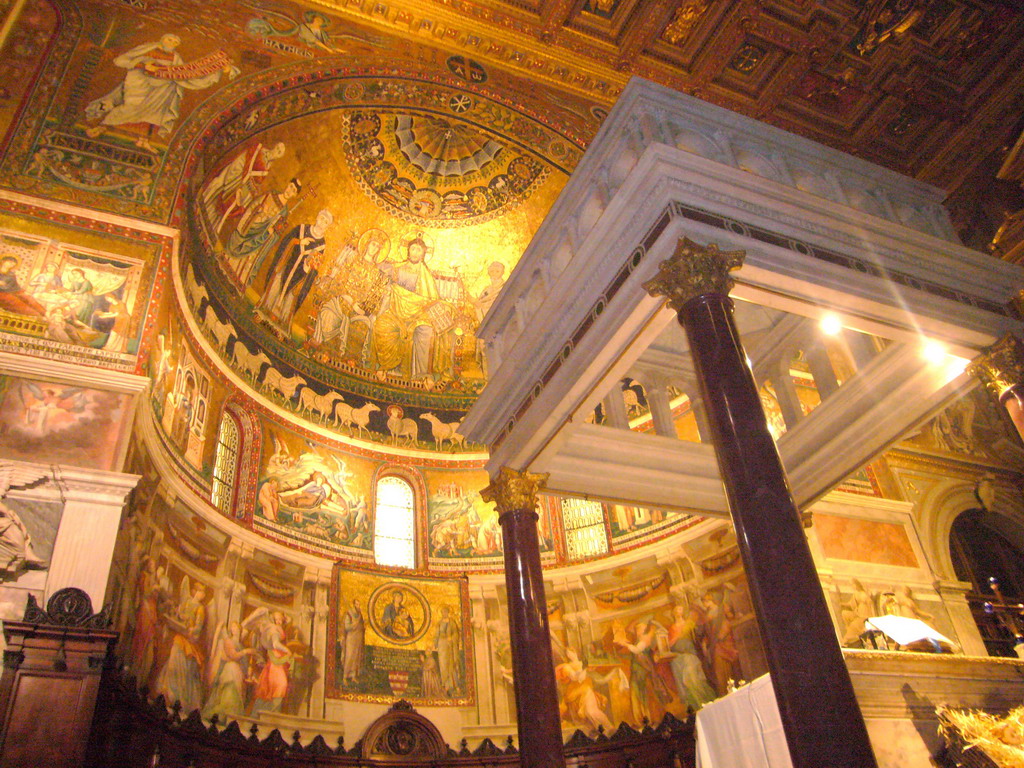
(225, 464)
(585, 534)
(394, 537)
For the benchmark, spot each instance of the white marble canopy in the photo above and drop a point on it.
(823, 232)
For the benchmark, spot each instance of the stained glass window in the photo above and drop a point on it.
(225, 464)
(585, 534)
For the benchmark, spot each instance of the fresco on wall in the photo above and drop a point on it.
(399, 638)
(75, 303)
(62, 423)
(865, 541)
(313, 497)
(193, 633)
(462, 529)
(364, 276)
(185, 396)
(644, 642)
(633, 524)
(23, 54)
(863, 599)
(975, 427)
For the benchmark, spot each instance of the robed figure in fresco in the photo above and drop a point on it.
(181, 678)
(226, 672)
(353, 643)
(294, 270)
(148, 101)
(258, 230)
(412, 326)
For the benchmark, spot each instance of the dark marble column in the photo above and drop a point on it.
(1001, 369)
(540, 729)
(823, 723)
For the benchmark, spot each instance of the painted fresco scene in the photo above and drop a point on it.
(63, 423)
(185, 396)
(74, 303)
(314, 497)
(462, 528)
(399, 637)
(657, 638)
(219, 634)
(350, 290)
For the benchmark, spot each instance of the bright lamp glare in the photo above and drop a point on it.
(830, 324)
(934, 351)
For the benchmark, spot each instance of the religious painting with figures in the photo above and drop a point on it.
(396, 637)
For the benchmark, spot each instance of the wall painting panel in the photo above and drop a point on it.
(397, 637)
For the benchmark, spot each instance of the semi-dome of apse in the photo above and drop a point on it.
(348, 235)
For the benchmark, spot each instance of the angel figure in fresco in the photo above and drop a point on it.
(148, 100)
(720, 642)
(313, 30)
(581, 704)
(684, 661)
(49, 408)
(181, 677)
(645, 686)
(278, 654)
(226, 672)
(237, 183)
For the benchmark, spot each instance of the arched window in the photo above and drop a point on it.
(984, 545)
(225, 464)
(394, 534)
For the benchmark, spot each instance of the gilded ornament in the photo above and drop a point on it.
(685, 19)
(511, 490)
(1001, 365)
(692, 271)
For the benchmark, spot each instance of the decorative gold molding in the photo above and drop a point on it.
(685, 19)
(511, 490)
(1000, 366)
(692, 271)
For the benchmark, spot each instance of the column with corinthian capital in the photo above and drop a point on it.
(822, 721)
(540, 730)
(1001, 369)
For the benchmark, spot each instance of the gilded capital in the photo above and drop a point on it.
(692, 271)
(511, 490)
(1000, 366)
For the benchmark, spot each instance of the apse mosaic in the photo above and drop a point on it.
(399, 637)
(463, 530)
(110, 117)
(349, 289)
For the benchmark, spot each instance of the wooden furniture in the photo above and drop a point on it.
(51, 676)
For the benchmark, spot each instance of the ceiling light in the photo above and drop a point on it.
(830, 324)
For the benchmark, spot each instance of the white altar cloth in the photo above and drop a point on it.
(743, 730)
